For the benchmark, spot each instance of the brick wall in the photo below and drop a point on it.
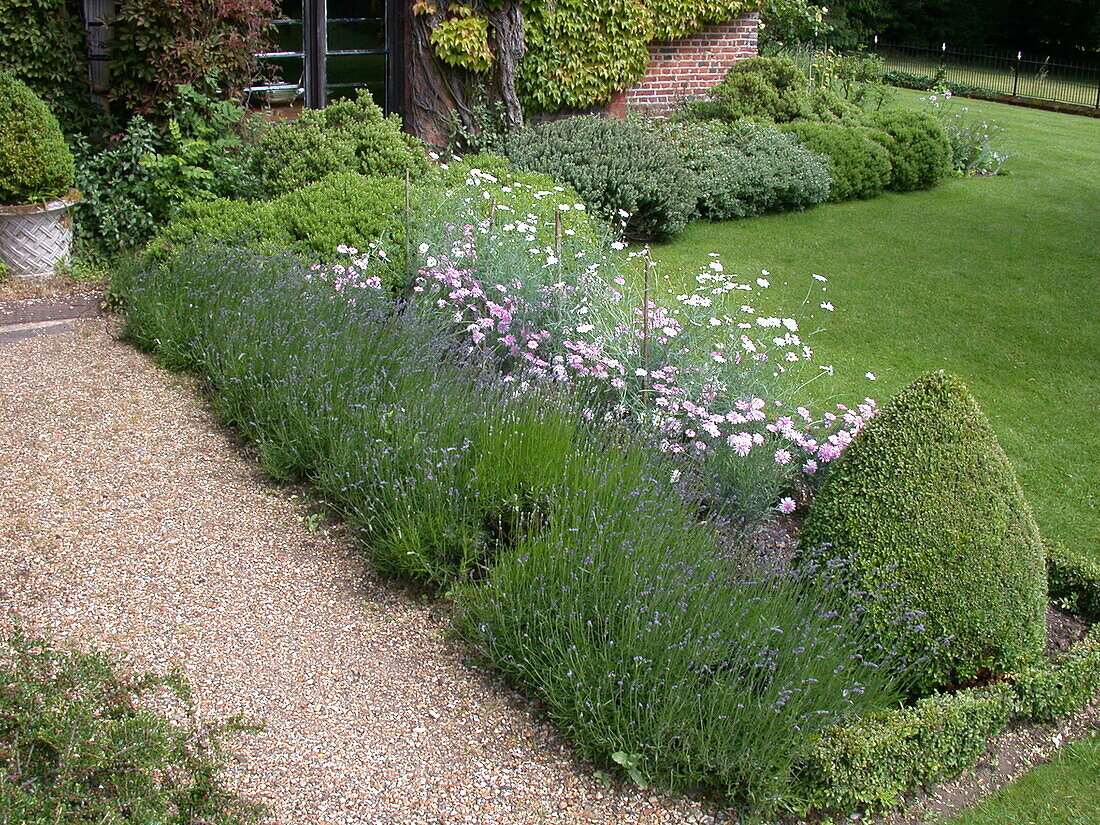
(689, 67)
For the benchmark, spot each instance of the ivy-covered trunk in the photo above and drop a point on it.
(447, 97)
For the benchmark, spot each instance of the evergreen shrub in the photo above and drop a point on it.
(925, 498)
(617, 167)
(859, 166)
(346, 136)
(35, 163)
(80, 742)
(920, 152)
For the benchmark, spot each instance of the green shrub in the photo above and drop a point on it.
(617, 167)
(346, 136)
(1061, 686)
(873, 761)
(744, 169)
(1075, 579)
(35, 163)
(859, 166)
(925, 497)
(78, 743)
(342, 208)
(920, 152)
(136, 180)
(771, 90)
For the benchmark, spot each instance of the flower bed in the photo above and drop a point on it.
(539, 429)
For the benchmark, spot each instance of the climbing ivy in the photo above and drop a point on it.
(578, 52)
(42, 43)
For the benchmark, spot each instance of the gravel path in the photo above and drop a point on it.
(128, 520)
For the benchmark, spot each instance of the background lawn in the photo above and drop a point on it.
(1065, 791)
(994, 279)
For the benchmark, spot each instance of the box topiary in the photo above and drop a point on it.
(859, 166)
(920, 152)
(928, 506)
(35, 163)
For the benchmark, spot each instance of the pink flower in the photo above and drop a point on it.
(783, 457)
(786, 505)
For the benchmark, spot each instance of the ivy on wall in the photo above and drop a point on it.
(578, 52)
(42, 43)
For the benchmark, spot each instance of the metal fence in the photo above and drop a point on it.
(1016, 74)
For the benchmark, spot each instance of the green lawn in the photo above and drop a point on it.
(994, 279)
(1063, 792)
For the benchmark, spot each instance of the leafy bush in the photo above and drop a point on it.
(116, 212)
(135, 181)
(159, 45)
(771, 90)
(346, 136)
(78, 743)
(873, 761)
(920, 153)
(35, 163)
(617, 167)
(744, 169)
(340, 209)
(43, 44)
(1074, 578)
(858, 165)
(925, 496)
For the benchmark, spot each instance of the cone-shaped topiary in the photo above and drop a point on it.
(925, 497)
(35, 163)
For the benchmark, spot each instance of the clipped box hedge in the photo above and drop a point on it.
(871, 762)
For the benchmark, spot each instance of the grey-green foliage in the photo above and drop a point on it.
(745, 169)
(347, 136)
(616, 166)
(35, 162)
(925, 497)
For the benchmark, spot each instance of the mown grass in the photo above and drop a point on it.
(1065, 791)
(993, 279)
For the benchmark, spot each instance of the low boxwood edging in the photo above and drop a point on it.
(871, 762)
(1075, 578)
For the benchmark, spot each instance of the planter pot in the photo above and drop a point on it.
(34, 239)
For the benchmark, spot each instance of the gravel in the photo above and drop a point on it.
(131, 521)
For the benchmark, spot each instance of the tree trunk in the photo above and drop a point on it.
(442, 97)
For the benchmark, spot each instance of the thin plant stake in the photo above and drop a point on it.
(408, 231)
(645, 323)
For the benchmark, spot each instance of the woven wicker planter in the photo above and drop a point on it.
(34, 239)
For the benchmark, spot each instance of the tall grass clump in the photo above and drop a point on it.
(654, 649)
